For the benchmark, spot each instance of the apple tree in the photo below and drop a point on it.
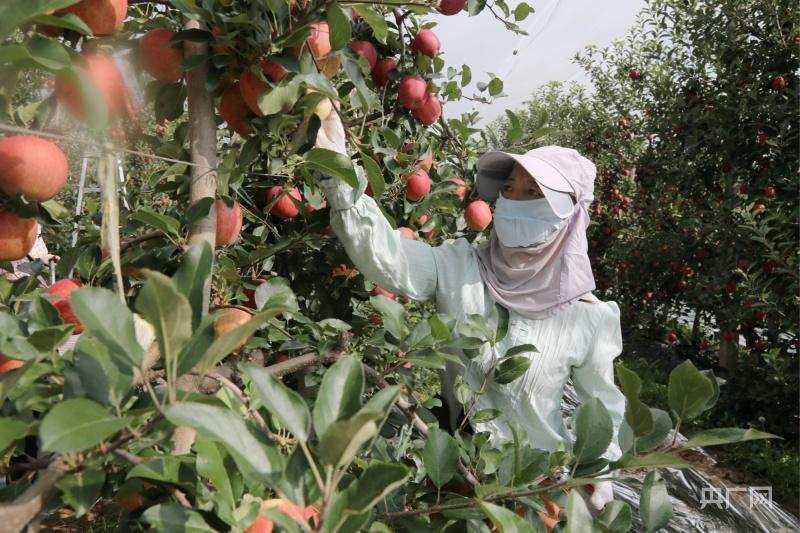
(210, 359)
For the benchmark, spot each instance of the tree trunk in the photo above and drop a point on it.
(728, 354)
(203, 145)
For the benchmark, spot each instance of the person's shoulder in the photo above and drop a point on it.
(602, 311)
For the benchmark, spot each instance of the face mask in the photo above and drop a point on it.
(520, 223)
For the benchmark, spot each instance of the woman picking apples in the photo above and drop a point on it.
(534, 264)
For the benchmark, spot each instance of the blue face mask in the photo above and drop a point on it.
(520, 223)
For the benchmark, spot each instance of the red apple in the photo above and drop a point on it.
(763, 138)
(380, 291)
(251, 87)
(319, 39)
(769, 192)
(381, 70)
(7, 364)
(413, 91)
(229, 221)
(478, 215)
(759, 206)
(228, 319)
(60, 292)
(273, 70)
(251, 293)
(430, 110)
(461, 191)
(235, 110)
(342, 270)
(451, 7)
(778, 83)
(31, 166)
(366, 50)
(284, 207)
(418, 185)
(672, 337)
(106, 78)
(682, 284)
(102, 16)
(407, 233)
(17, 236)
(634, 74)
(159, 59)
(426, 43)
(730, 287)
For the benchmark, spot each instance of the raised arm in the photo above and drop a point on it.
(376, 249)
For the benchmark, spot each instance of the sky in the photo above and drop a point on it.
(557, 30)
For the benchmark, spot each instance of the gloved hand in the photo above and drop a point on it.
(599, 495)
(331, 134)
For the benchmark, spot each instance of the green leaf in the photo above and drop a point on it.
(520, 348)
(651, 460)
(466, 75)
(160, 303)
(94, 306)
(192, 275)
(486, 415)
(333, 164)
(616, 517)
(276, 292)
(224, 426)
(211, 465)
(376, 21)
(99, 375)
(76, 425)
(167, 224)
(374, 175)
(280, 98)
(637, 414)
(505, 520)
(174, 518)
(287, 405)
(579, 519)
(440, 456)
(655, 506)
(375, 484)
(393, 313)
(689, 391)
(201, 341)
(522, 11)
(342, 440)
(82, 489)
(11, 430)
(48, 339)
(12, 340)
(717, 436)
(593, 431)
(13, 15)
(511, 368)
(662, 424)
(495, 86)
(49, 54)
(339, 394)
(339, 26)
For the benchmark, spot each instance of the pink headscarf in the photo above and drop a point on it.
(539, 281)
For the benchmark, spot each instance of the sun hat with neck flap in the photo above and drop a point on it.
(539, 280)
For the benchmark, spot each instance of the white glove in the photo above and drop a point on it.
(603, 493)
(331, 133)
